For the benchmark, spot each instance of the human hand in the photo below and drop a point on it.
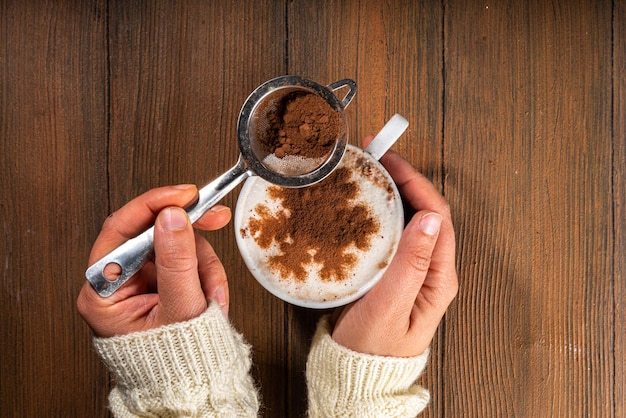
(400, 315)
(181, 280)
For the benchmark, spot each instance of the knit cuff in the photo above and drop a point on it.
(343, 382)
(193, 368)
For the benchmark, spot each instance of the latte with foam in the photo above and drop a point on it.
(324, 245)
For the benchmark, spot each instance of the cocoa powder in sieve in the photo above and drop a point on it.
(320, 224)
(302, 124)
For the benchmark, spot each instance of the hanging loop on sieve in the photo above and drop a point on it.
(346, 82)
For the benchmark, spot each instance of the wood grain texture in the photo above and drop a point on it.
(619, 203)
(52, 126)
(528, 144)
(516, 113)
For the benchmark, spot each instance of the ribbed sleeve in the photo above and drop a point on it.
(345, 383)
(198, 368)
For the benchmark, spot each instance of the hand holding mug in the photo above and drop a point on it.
(400, 315)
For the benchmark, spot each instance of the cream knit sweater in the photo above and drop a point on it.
(200, 368)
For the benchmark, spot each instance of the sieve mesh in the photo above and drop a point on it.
(261, 132)
(292, 165)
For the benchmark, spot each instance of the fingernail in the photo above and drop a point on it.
(174, 219)
(183, 186)
(431, 223)
(220, 298)
(219, 208)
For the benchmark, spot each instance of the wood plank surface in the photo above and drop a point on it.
(619, 203)
(52, 137)
(528, 144)
(516, 113)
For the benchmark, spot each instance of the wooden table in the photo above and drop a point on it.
(517, 115)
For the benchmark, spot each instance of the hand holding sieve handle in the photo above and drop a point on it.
(134, 253)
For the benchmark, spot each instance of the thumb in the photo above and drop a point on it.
(180, 292)
(408, 269)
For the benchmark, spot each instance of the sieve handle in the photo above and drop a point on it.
(134, 253)
(213, 192)
(346, 82)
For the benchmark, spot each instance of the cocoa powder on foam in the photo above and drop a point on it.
(302, 124)
(320, 224)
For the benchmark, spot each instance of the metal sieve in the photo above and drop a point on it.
(254, 159)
